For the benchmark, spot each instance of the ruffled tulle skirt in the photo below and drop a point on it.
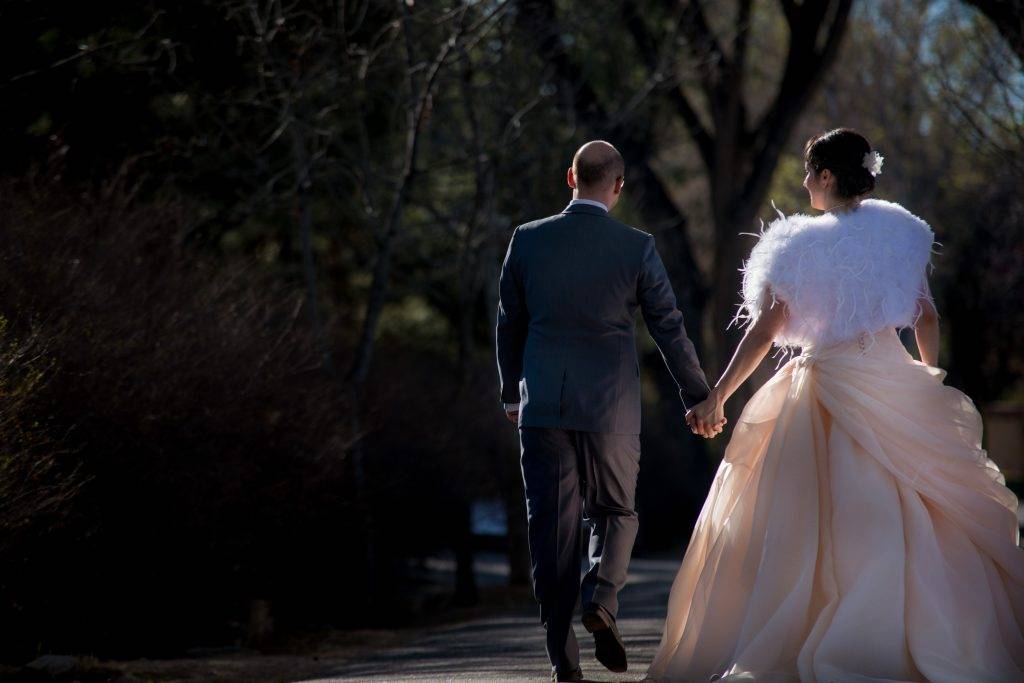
(855, 531)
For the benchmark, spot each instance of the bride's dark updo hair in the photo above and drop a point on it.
(842, 152)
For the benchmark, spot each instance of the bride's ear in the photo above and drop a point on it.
(826, 178)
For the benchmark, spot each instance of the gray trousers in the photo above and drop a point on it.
(570, 477)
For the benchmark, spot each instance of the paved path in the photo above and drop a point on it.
(511, 647)
(505, 646)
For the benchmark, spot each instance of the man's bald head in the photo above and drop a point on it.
(597, 165)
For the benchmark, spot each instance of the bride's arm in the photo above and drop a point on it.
(708, 417)
(926, 328)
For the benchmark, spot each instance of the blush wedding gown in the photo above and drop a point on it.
(855, 530)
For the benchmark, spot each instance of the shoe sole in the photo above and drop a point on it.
(605, 640)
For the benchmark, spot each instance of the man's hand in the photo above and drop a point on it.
(513, 415)
(707, 418)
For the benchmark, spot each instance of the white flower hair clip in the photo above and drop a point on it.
(873, 162)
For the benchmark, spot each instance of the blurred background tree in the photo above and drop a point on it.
(249, 258)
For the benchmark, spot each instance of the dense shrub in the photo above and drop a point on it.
(170, 448)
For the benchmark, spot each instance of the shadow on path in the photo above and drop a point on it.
(511, 646)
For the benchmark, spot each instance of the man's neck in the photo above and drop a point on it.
(597, 200)
(576, 194)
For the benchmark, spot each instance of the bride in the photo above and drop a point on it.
(855, 530)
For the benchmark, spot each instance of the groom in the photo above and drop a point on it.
(569, 290)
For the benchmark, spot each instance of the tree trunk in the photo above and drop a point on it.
(519, 566)
(380, 283)
(304, 180)
(731, 250)
(466, 592)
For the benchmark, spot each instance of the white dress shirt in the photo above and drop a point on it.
(592, 202)
(514, 407)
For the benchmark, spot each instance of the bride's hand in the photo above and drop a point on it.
(708, 417)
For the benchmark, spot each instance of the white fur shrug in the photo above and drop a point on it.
(840, 275)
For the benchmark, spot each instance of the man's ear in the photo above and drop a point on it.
(570, 178)
(619, 182)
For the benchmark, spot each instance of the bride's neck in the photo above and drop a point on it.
(838, 206)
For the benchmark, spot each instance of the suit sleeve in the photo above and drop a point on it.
(665, 323)
(513, 322)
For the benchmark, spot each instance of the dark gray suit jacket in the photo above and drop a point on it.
(569, 291)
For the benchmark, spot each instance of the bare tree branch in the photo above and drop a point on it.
(703, 46)
(805, 65)
(649, 54)
(1008, 18)
(86, 51)
(382, 266)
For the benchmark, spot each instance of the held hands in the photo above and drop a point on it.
(707, 418)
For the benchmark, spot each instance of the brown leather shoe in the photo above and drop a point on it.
(608, 646)
(573, 676)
